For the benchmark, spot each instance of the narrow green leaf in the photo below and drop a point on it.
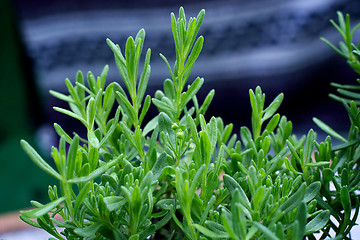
(273, 107)
(138, 141)
(258, 197)
(139, 43)
(339, 28)
(121, 65)
(92, 82)
(166, 204)
(207, 232)
(144, 78)
(62, 96)
(163, 221)
(115, 49)
(238, 218)
(160, 163)
(38, 160)
(146, 181)
(90, 113)
(289, 166)
(165, 125)
(81, 196)
(215, 226)
(71, 157)
(345, 145)
(311, 191)
(325, 205)
(117, 88)
(168, 65)
(266, 231)
(29, 221)
(174, 31)
(97, 172)
(103, 76)
(38, 212)
(189, 35)
(78, 162)
(93, 139)
(318, 222)
(227, 222)
(245, 136)
(169, 89)
(280, 231)
(180, 225)
(62, 133)
(301, 217)
(231, 184)
(88, 231)
(204, 107)
(294, 200)
(253, 102)
(318, 164)
(145, 108)
(93, 158)
(108, 97)
(205, 147)
(293, 152)
(226, 133)
(114, 202)
(193, 56)
(345, 86)
(84, 88)
(162, 106)
(151, 125)
(328, 129)
(195, 182)
(272, 124)
(193, 89)
(343, 100)
(71, 114)
(130, 61)
(309, 146)
(333, 47)
(349, 94)
(345, 199)
(72, 91)
(193, 131)
(199, 20)
(128, 133)
(127, 107)
(111, 129)
(209, 207)
(148, 232)
(134, 237)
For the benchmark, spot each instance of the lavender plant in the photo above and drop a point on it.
(183, 175)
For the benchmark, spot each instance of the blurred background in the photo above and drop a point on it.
(271, 43)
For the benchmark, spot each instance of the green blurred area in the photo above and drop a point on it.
(20, 180)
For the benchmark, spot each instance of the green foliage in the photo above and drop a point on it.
(186, 176)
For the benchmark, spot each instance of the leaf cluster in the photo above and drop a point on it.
(183, 175)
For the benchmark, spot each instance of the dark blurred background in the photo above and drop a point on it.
(271, 43)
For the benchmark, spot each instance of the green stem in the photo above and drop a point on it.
(179, 88)
(189, 223)
(67, 193)
(203, 187)
(344, 223)
(136, 110)
(256, 126)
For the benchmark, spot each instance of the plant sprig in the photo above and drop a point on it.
(184, 175)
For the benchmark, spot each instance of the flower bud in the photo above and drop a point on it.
(174, 126)
(180, 134)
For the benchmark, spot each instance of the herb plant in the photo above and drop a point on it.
(182, 175)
